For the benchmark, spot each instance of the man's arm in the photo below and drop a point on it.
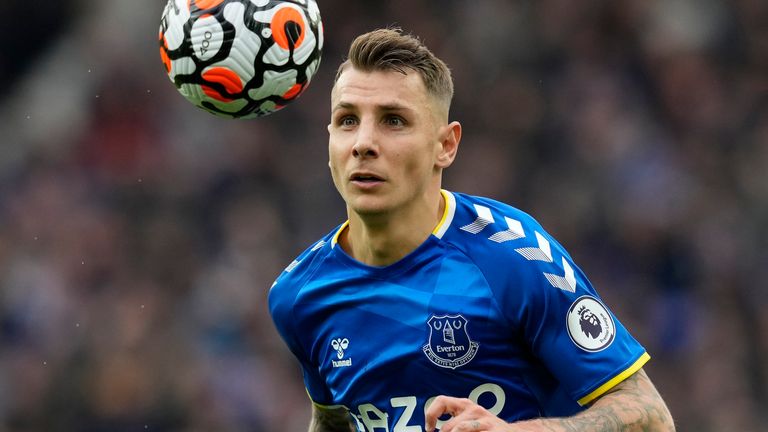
(330, 420)
(632, 405)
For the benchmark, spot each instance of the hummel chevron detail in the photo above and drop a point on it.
(541, 253)
(292, 266)
(514, 232)
(484, 218)
(566, 282)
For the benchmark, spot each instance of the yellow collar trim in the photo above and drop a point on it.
(440, 228)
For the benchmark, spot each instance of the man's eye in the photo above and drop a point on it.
(395, 121)
(347, 121)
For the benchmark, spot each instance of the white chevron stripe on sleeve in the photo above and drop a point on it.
(541, 253)
(292, 266)
(484, 218)
(514, 232)
(567, 282)
(319, 244)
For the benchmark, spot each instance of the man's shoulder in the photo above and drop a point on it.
(497, 237)
(506, 242)
(306, 263)
(482, 222)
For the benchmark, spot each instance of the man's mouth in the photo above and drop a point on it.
(366, 178)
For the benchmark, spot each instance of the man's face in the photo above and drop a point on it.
(384, 140)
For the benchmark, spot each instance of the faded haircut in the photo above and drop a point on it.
(391, 50)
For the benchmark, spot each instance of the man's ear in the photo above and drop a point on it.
(450, 138)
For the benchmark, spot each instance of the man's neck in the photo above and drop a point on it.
(382, 240)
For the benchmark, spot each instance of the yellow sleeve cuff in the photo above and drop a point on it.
(634, 367)
(321, 406)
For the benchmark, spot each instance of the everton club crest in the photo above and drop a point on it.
(449, 344)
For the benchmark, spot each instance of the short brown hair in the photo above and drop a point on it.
(391, 50)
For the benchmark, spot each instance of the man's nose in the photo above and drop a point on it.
(366, 144)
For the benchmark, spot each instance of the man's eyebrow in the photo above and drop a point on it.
(342, 105)
(386, 107)
(394, 107)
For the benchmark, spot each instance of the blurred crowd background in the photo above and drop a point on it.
(139, 235)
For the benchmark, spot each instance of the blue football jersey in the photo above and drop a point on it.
(489, 307)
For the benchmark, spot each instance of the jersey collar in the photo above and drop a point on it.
(440, 228)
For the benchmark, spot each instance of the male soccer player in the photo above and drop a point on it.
(434, 309)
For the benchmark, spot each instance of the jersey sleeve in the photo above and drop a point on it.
(564, 322)
(282, 297)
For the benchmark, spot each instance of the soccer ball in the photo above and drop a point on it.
(241, 58)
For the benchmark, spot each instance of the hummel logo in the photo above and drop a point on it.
(340, 344)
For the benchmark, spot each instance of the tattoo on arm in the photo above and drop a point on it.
(633, 405)
(330, 420)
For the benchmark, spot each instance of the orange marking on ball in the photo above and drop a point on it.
(214, 94)
(225, 77)
(279, 21)
(207, 4)
(293, 91)
(164, 54)
(166, 60)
